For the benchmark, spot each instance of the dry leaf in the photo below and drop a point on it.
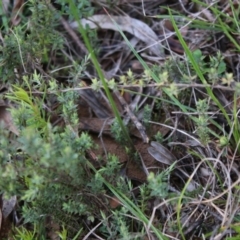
(126, 24)
(8, 206)
(114, 203)
(6, 118)
(160, 153)
(17, 10)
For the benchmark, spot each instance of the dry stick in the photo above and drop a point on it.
(133, 105)
(138, 125)
(183, 85)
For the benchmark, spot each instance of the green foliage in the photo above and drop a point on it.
(46, 167)
(69, 107)
(176, 70)
(28, 44)
(3, 17)
(29, 112)
(50, 171)
(159, 137)
(24, 234)
(214, 68)
(202, 121)
(147, 114)
(64, 234)
(118, 226)
(78, 71)
(158, 184)
(84, 8)
(118, 133)
(43, 22)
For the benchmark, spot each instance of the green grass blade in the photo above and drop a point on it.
(74, 11)
(197, 69)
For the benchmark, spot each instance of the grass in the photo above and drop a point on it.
(74, 184)
(75, 14)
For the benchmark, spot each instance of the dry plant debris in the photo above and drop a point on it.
(177, 94)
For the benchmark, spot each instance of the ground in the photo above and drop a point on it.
(119, 119)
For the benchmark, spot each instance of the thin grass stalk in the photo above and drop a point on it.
(200, 74)
(236, 129)
(153, 75)
(131, 206)
(223, 26)
(136, 211)
(73, 9)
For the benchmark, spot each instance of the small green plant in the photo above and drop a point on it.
(159, 137)
(24, 234)
(118, 133)
(84, 7)
(202, 121)
(29, 112)
(3, 16)
(159, 184)
(30, 42)
(147, 114)
(64, 234)
(214, 68)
